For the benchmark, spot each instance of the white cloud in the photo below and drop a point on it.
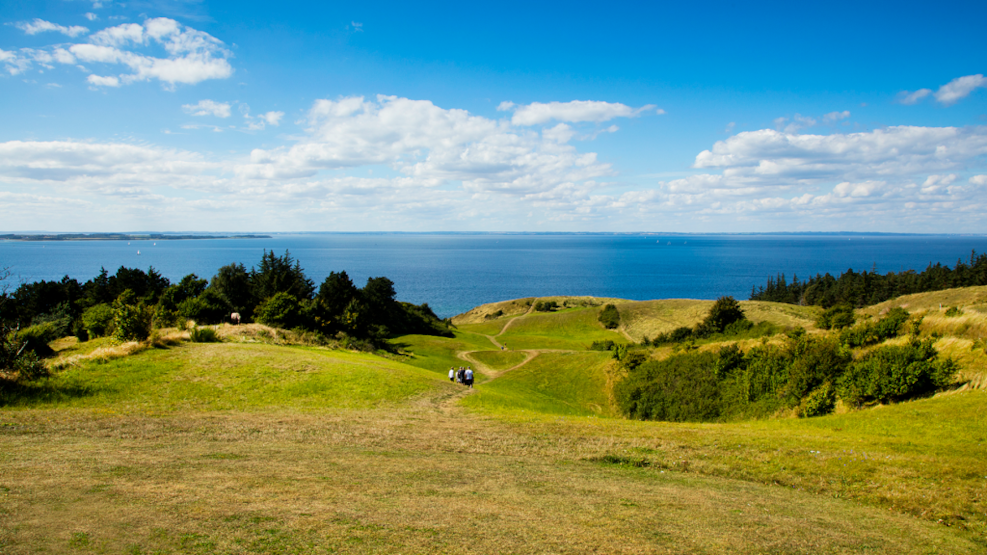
(505, 106)
(192, 56)
(834, 117)
(91, 16)
(208, 108)
(358, 27)
(99, 81)
(430, 144)
(272, 118)
(959, 88)
(572, 112)
(979, 180)
(911, 98)
(41, 26)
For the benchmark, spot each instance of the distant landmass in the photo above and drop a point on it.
(118, 237)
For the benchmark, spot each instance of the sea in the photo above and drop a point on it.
(454, 272)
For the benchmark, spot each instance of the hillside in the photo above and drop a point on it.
(249, 446)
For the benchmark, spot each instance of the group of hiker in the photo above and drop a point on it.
(463, 376)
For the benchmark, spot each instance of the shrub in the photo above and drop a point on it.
(546, 306)
(281, 311)
(609, 317)
(37, 338)
(98, 320)
(604, 345)
(493, 315)
(681, 388)
(821, 401)
(896, 373)
(836, 317)
(203, 335)
(953, 311)
(870, 333)
(131, 322)
(725, 311)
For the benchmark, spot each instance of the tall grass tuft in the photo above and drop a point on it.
(203, 335)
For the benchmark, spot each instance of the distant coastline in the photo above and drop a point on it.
(118, 237)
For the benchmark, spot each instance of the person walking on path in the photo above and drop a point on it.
(452, 374)
(469, 377)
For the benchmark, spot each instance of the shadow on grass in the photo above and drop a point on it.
(41, 393)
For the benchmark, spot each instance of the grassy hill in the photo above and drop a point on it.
(245, 447)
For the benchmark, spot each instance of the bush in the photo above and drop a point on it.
(493, 315)
(821, 401)
(280, 311)
(870, 333)
(605, 345)
(131, 322)
(609, 317)
(953, 311)
(725, 311)
(37, 338)
(836, 317)
(203, 335)
(681, 388)
(896, 373)
(98, 320)
(546, 306)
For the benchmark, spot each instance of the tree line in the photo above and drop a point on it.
(131, 303)
(861, 289)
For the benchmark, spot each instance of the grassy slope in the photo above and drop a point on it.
(552, 383)
(649, 318)
(574, 328)
(406, 471)
(224, 376)
(500, 360)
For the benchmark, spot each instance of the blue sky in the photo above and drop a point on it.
(720, 117)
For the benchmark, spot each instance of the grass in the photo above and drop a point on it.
(252, 447)
(574, 329)
(223, 376)
(500, 360)
(650, 318)
(552, 383)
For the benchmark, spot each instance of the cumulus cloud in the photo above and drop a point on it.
(575, 111)
(99, 81)
(433, 145)
(208, 108)
(834, 117)
(272, 118)
(960, 88)
(191, 56)
(911, 98)
(41, 26)
(91, 16)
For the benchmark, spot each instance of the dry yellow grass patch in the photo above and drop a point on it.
(102, 354)
(410, 481)
(933, 300)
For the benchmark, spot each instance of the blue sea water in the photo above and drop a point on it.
(455, 272)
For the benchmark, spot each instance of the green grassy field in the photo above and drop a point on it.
(259, 448)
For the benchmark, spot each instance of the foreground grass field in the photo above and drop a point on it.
(254, 448)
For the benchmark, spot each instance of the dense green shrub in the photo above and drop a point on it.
(953, 311)
(820, 401)
(493, 315)
(132, 319)
(36, 338)
(896, 373)
(609, 317)
(98, 320)
(681, 388)
(869, 333)
(725, 311)
(546, 306)
(836, 317)
(281, 311)
(602, 345)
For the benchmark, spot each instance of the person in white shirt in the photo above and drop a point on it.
(452, 374)
(469, 377)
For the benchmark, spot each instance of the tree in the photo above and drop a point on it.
(609, 317)
(232, 282)
(280, 274)
(725, 311)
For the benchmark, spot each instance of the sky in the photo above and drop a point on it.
(198, 115)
